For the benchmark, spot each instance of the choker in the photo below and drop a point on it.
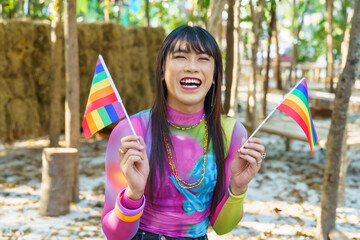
(187, 128)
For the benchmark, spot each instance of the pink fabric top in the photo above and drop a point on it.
(175, 211)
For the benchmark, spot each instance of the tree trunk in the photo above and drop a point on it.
(266, 79)
(31, 8)
(20, 13)
(277, 71)
(57, 180)
(346, 40)
(147, 12)
(296, 36)
(326, 221)
(229, 55)
(235, 83)
(56, 62)
(329, 44)
(343, 170)
(215, 18)
(294, 46)
(106, 10)
(72, 115)
(256, 16)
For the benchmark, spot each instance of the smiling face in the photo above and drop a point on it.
(188, 76)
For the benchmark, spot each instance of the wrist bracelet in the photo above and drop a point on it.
(236, 196)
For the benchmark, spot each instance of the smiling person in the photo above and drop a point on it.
(183, 170)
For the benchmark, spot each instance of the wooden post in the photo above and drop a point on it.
(57, 180)
(72, 101)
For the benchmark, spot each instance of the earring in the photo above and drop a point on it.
(212, 96)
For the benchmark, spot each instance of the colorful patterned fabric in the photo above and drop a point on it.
(175, 211)
(103, 106)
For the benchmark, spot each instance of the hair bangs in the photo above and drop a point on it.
(192, 40)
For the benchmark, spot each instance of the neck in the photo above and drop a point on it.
(188, 109)
(182, 118)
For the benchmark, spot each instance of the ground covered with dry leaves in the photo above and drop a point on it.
(282, 201)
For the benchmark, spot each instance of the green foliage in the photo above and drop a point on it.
(9, 5)
(170, 14)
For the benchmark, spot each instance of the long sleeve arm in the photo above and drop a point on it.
(230, 210)
(118, 221)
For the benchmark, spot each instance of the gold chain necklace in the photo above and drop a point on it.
(173, 168)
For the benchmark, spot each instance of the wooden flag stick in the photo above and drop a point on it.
(116, 93)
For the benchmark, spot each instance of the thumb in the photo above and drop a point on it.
(243, 140)
(142, 142)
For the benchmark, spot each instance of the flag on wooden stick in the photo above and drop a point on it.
(104, 105)
(296, 105)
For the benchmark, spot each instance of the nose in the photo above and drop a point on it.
(191, 65)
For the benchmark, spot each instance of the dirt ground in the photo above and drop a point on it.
(282, 201)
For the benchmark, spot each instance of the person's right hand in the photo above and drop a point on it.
(134, 164)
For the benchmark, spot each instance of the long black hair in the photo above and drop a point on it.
(200, 41)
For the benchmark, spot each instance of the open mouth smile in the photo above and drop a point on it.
(190, 83)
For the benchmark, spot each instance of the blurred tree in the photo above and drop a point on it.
(107, 10)
(271, 27)
(232, 57)
(345, 38)
(344, 165)
(277, 71)
(257, 10)
(351, 72)
(56, 63)
(329, 44)
(8, 7)
(20, 12)
(147, 12)
(229, 55)
(72, 109)
(214, 14)
(297, 24)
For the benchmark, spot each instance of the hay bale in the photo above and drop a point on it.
(22, 116)
(41, 57)
(25, 55)
(5, 96)
(155, 37)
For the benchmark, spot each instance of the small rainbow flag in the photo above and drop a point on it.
(296, 105)
(104, 105)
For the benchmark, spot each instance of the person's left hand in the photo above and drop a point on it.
(246, 164)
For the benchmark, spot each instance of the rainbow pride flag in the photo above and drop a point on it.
(296, 105)
(104, 105)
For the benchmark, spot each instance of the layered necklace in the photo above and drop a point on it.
(181, 182)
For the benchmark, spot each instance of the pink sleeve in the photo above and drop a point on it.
(119, 221)
(131, 204)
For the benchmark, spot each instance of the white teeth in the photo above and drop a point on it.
(191, 86)
(190, 81)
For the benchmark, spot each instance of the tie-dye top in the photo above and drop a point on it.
(175, 211)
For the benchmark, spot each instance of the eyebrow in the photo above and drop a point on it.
(182, 50)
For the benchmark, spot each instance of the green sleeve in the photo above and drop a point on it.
(230, 214)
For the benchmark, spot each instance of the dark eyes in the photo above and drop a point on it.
(178, 57)
(201, 58)
(205, 58)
